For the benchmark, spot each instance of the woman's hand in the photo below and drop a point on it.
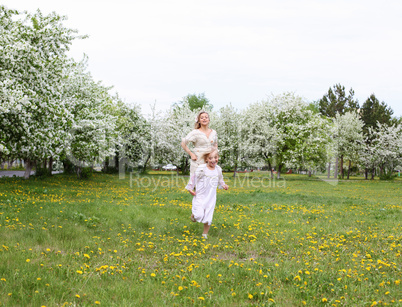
(226, 187)
(193, 156)
(192, 192)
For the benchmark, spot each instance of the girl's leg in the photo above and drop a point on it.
(206, 228)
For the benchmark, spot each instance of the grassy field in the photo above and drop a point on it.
(129, 242)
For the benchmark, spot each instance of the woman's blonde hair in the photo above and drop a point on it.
(197, 124)
(208, 153)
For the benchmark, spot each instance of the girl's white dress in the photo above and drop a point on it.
(202, 144)
(205, 181)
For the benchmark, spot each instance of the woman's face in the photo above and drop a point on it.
(204, 119)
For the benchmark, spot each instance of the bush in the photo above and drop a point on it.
(41, 172)
(110, 170)
(387, 176)
(68, 167)
(86, 172)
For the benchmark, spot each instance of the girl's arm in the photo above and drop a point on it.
(221, 183)
(191, 185)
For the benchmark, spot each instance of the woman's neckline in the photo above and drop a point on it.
(210, 131)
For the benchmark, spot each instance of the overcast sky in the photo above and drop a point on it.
(237, 52)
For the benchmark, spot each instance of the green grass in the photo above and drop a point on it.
(292, 242)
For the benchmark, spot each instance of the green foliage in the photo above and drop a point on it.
(372, 111)
(41, 172)
(68, 167)
(86, 172)
(336, 101)
(110, 169)
(387, 175)
(195, 102)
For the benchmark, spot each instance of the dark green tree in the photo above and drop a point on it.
(337, 101)
(195, 102)
(373, 111)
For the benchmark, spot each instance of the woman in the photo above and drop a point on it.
(202, 137)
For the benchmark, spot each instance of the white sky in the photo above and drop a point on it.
(237, 51)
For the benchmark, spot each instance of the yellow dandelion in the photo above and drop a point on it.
(201, 298)
(233, 293)
(77, 296)
(28, 260)
(79, 272)
(324, 300)
(250, 296)
(180, 288)
(97, 302)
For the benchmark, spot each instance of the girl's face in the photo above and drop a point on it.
(204, 119)
(212, 160)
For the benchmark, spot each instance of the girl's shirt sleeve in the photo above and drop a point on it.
(221, 182)
(191, 183)
(191, 137)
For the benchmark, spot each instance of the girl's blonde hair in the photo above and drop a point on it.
(208, 153)
(197, 124)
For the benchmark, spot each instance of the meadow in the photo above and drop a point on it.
(129, 242)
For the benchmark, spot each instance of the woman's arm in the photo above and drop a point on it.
(187, 150)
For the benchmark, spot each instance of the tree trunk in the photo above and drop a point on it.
(336, 168)
(117, 160)
(270, 169)
(278, 174)
(372, 173)
(342, 174)
(10, 164)
(309, 172)
(366, 173)
(329, 170)
(78, 170)
(145, 164)
(28, 168)
(50, 166)
(350, 163)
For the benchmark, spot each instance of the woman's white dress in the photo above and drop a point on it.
(202, 144)
(205, 182)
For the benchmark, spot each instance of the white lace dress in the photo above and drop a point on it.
(202, 144)
(205, 181)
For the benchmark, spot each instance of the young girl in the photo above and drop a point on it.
(206, 179)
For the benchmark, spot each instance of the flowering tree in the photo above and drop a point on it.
(93, 131)
(228, 126)
(259, 134)
(348, 138)
(387, 148)
(178, 122)
(32, 57)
